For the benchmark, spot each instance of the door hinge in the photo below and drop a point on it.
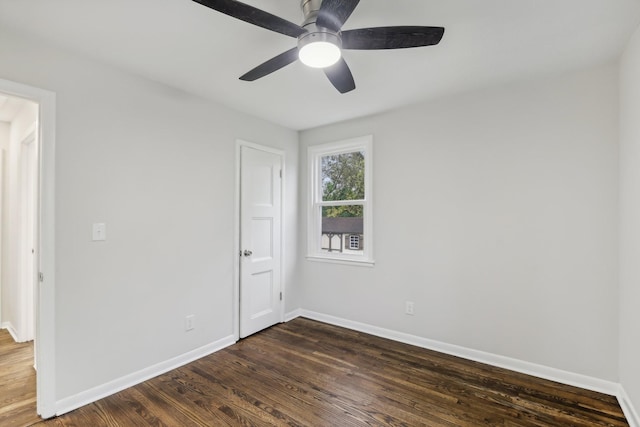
(280, 173)
(280, 296)
(41, 276)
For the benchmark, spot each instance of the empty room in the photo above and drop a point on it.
(319, 212)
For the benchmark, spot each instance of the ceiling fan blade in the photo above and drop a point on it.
(391, 37)
(254, 16)
(274, 64)
(340, 76)
(334, 13)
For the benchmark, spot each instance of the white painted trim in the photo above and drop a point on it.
(100, 392)
(330, 260)
(292, 315)
(45, 328)
(283, 225)
(540, 371)
(235, 304)
(27, 296)
(627, 407)
(12, 331)
(236, 232)
(45, 324)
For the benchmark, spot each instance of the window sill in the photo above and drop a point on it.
(344, 261)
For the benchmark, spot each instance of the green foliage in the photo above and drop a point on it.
(343, 179)
(342, 211)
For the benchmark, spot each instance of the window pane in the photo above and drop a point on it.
(343, 176)
(342, 229)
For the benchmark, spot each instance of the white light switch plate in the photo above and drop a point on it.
(99, 231)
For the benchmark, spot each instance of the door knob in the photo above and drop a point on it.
(247, 252)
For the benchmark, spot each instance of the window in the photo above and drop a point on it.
(340, 202)
(354, 242)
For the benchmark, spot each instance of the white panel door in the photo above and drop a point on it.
(260, 235)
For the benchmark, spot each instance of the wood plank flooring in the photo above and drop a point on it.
(17, 383)
(306, 373)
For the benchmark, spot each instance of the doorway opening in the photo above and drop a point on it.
(27, 293)
(18, 239)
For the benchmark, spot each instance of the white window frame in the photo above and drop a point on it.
(315, 203)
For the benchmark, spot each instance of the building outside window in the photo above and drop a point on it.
(338, 234)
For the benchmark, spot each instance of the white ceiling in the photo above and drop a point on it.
(186, 45)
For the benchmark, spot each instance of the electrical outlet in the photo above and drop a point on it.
(408, 308)
(190, 322)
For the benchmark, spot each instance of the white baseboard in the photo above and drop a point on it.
(540, 371)
(12, 331)
(292, 315)
(627, 407)
(96, 393)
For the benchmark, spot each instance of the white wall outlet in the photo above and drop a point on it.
(190, 322)
(99, 231)
(408, 308)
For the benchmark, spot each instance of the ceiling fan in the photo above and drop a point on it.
(320, 39)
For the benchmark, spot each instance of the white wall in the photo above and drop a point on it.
(4, 135)
(157, 166)
(495, 212)
(630, 220)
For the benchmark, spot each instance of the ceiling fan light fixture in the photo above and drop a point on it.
(319, 50)
(319, 54)
(321, 38)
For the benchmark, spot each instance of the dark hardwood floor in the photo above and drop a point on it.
(17, 383)
(306, 373)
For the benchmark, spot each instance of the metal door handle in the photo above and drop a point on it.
(247, 252)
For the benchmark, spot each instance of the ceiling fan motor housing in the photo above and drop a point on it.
(314, 33)
(310, 10)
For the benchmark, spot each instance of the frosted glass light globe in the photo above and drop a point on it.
(320, 54)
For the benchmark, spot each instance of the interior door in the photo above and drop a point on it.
(260, 239)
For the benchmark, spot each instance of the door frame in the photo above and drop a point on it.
(236, 232)
(45, 241)
(28, 200)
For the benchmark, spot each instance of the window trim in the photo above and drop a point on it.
(314, 216)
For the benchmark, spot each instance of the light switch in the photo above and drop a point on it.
(99, 231)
